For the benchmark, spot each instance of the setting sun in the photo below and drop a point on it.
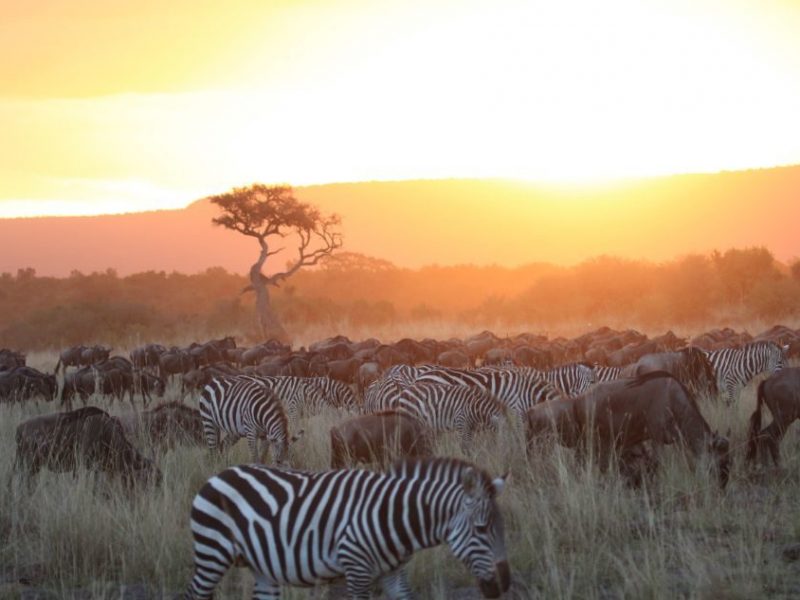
(138, 108)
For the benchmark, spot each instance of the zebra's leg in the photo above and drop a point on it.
(252, 443)
(395, 585)
(730, 393)
(264, 589)
(210, 565)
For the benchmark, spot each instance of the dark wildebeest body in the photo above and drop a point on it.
(781, 393)
(89, 436)
(84, 382)
(690, 366)
(10, 359)
(621, 415)
(24, 383)
(166, 425)
(380, 437)
(147, 355)
(454, 358)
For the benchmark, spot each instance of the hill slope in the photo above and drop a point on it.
(414, 223)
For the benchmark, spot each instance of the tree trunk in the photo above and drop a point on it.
(271, 327)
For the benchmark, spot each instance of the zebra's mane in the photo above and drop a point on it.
(763, 344)
(440, 469)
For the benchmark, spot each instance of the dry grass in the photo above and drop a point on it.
(571, 532)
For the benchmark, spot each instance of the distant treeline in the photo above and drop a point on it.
(737, 286)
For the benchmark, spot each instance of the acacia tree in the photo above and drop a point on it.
(270, 214)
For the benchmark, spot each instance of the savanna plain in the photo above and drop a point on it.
(572, 532)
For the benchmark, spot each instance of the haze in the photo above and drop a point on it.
(133, 105)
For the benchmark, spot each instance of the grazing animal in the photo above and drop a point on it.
(572, 379)
(298, 528)
(781, 394)
(70, 357)
(23, 383)
(382, 395)
(465, 410)
(735, 367)
(244, 407)
(690, 366)
(90, 436)
(167, 425)
(603, 373)
(10, 359)
(622, 414)
(518, 390)
(381, 437)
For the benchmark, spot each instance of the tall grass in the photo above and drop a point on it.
(571, 531)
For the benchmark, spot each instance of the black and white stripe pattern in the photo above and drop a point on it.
(307, 395)
(244, 407)
(441, 407)
(302, 529)
(518, 390)
(735, 367)
(383, 394)
(572, 379)
(603, 373)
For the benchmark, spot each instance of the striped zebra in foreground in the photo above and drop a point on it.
(243, 407)
(518, 390)
(304, 529)
(465, 410)
(735, 367)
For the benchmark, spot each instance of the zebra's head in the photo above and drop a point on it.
(778, 356)
(477, 536)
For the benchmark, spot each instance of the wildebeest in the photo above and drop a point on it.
(24, 383)
(381, 437)
(10, 359)
(166, 425)
(622, 414)
(90, 436)
(781, 393)
(173, 362)
(86, 380)
(689, 365)
(147, 355)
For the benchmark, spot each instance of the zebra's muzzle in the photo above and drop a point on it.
(499, 584)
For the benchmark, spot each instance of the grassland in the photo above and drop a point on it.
(571, 532)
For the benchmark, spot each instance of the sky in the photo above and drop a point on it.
(135, 104)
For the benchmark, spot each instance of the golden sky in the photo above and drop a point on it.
(137, 104)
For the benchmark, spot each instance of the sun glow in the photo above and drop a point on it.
(310, 92)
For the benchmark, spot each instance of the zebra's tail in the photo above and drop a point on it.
(755, 425)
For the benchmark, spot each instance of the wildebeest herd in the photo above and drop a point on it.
(618, 397)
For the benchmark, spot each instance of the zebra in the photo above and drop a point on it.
(571, 379)
(382, 394)
(603, 373)
(459, 408)
(243, 407)
(302, 528)
(518, 390)
(307, 394)
(735, 367)
(336, 393)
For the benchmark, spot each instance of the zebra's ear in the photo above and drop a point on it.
(500, 483)
(469, 479)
